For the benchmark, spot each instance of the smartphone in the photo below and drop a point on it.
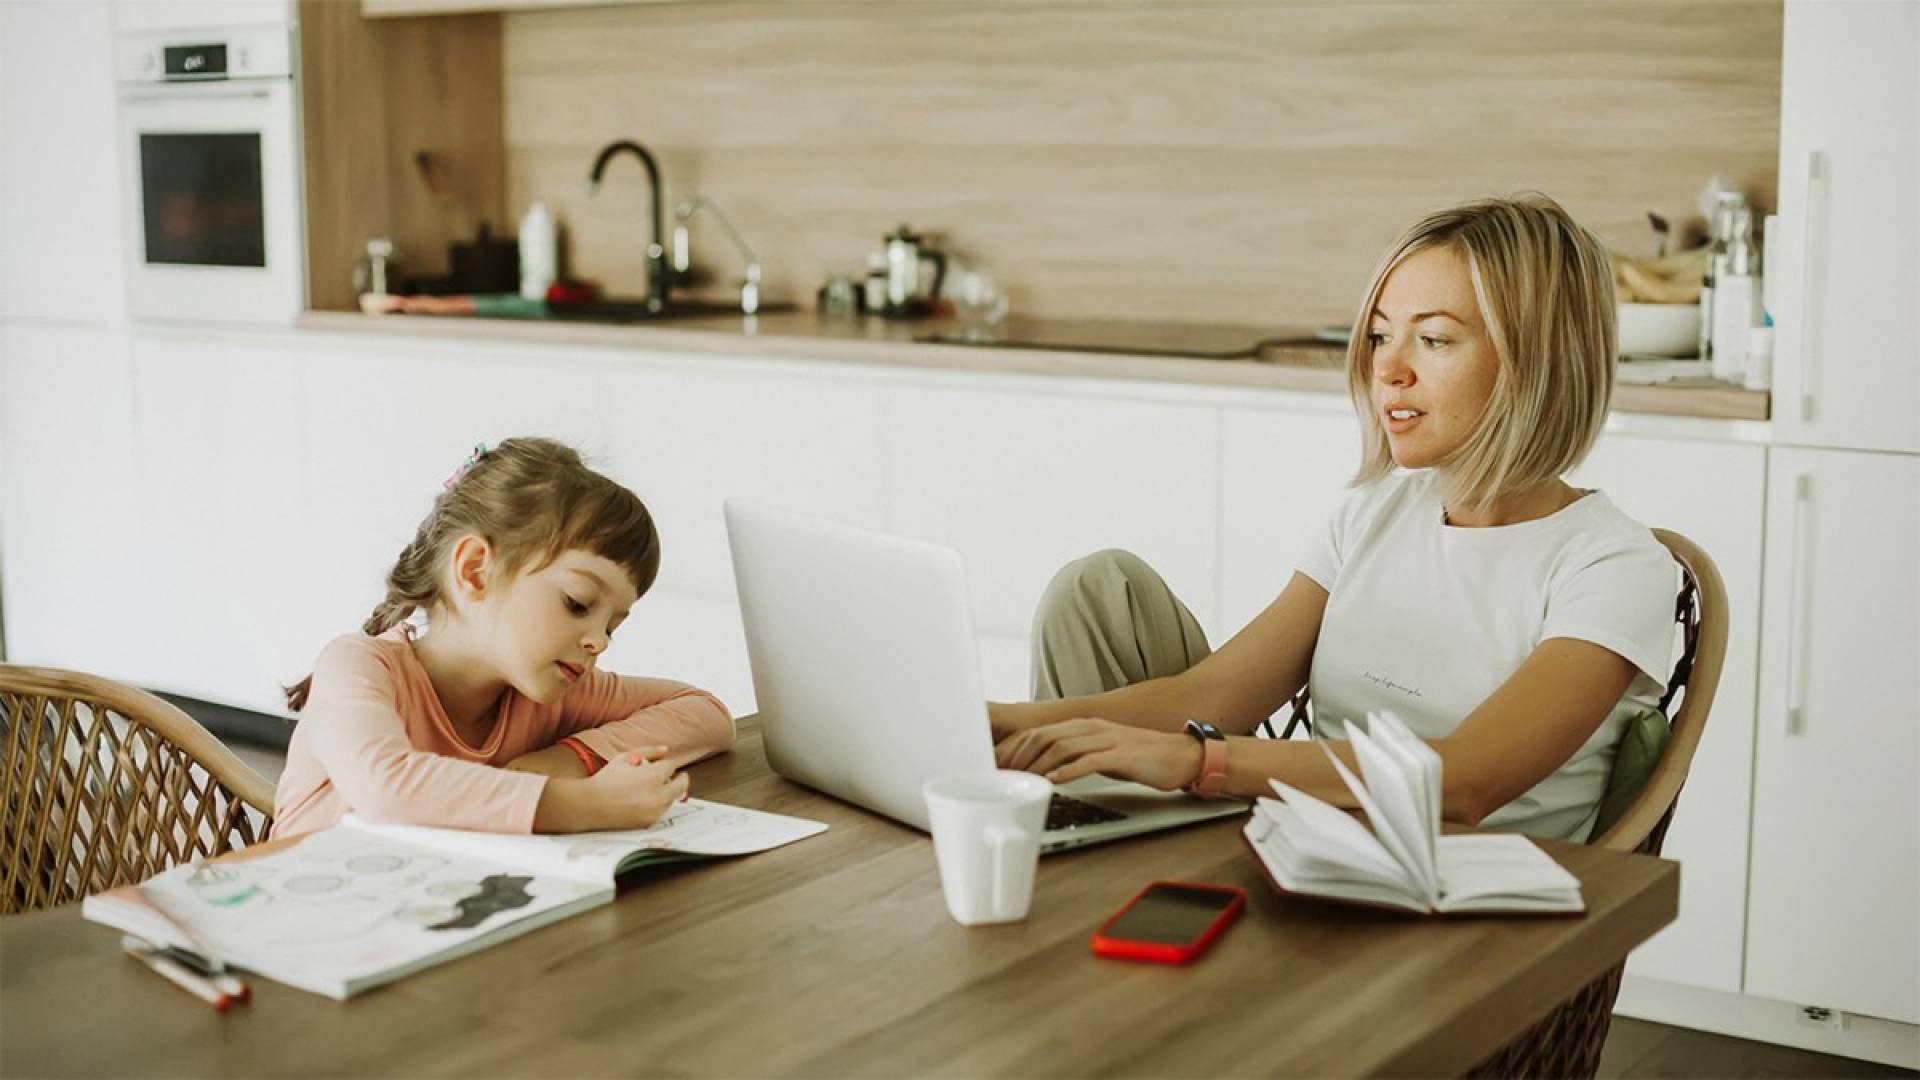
(1170, 922)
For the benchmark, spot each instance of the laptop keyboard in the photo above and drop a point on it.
(1067, 812)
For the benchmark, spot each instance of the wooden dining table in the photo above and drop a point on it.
(835, 956)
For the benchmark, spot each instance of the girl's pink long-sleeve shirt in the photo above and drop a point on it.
(374, 740)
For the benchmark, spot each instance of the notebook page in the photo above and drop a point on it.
(693, 827)
(1504, 871)
(1280, 865)
(1390, 838)
(1391, 784)
(1329, 836)
(1420, 763)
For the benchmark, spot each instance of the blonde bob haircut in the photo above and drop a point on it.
(1545, 291)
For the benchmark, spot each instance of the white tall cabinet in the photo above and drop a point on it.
(1847, 260)
(60, 227)
(1834, 893)
(1838, 738)
(61, 311)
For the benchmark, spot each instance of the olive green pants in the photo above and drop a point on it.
(1108, 621)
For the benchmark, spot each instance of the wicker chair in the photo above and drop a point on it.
(1568, 1041)
(103, 785)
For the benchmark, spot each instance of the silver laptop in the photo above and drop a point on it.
(868, 677)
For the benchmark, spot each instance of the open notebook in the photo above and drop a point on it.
(345, 909)
(1310, 847)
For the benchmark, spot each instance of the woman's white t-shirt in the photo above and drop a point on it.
(1426, 620)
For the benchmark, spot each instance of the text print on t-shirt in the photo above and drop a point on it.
(1391, 685)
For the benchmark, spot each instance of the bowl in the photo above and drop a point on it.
(1659, 329)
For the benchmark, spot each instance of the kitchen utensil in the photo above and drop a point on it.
(911, 292)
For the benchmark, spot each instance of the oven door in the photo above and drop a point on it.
(213, 202)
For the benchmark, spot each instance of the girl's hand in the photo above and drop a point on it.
(637, 787)
(1072, 749)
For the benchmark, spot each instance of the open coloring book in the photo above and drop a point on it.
(1312, 848)
(345, 909)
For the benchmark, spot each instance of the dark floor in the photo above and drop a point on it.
(1635, 1048)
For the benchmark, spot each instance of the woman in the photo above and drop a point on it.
(1511, 620)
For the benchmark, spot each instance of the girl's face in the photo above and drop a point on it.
(1433, 363)
(554, 623)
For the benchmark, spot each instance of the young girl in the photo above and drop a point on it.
(496, 717)
(1511, 620)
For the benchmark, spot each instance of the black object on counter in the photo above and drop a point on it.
(485, 264)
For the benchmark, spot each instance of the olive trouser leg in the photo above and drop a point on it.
(1108, 621)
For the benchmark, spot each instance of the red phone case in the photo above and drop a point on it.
(1161, 952)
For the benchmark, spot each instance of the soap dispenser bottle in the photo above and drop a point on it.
(538, 252)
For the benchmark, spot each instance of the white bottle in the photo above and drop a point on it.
(539, 257)
(1736, 303)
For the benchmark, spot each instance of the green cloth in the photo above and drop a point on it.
(508, 306)
(1641, 745)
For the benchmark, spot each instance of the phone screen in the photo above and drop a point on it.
(1170, 914)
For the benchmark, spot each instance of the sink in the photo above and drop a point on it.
(619, 310)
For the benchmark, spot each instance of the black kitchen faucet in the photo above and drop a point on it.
(657, 273)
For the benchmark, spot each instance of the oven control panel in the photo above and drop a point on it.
(264, 52)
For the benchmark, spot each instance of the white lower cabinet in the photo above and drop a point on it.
(1711, 493)
(221, 512)
(70, 526)
(688, 439)
(1022, 483)
(1834, 897)
(690, 638)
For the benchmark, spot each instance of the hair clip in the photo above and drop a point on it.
(479, 451)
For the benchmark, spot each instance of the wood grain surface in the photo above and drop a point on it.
(835, 957)
(1200, 161)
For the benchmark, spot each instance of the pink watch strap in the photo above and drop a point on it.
(1213, 768)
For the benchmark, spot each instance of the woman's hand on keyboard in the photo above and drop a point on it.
(1074, 748)
(1011, 718)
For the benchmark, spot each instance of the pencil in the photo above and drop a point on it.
(177, 974)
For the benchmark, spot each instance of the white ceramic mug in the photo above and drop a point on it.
(986, 838)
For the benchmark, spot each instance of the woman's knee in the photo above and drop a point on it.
(1098, 572)
(1102, 578)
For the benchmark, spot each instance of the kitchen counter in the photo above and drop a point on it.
(1295, 363)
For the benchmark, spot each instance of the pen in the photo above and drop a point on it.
(178, 974)
(202, 965)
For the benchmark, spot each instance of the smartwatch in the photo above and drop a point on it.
(1213, 758)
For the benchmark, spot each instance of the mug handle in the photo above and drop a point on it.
(1002, 838)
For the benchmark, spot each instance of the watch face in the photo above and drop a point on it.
(1204, 730)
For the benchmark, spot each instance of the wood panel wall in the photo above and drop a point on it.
(374, 95)
(1243, 162)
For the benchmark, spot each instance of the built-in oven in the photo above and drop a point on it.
(212, 153)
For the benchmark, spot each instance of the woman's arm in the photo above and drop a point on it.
(1516, 738)
(1237, 687)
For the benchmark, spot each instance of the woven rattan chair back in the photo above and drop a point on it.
(104, 785)
(1569, 1040)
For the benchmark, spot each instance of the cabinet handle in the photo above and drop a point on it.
(1812, 278)
(1800, 596)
